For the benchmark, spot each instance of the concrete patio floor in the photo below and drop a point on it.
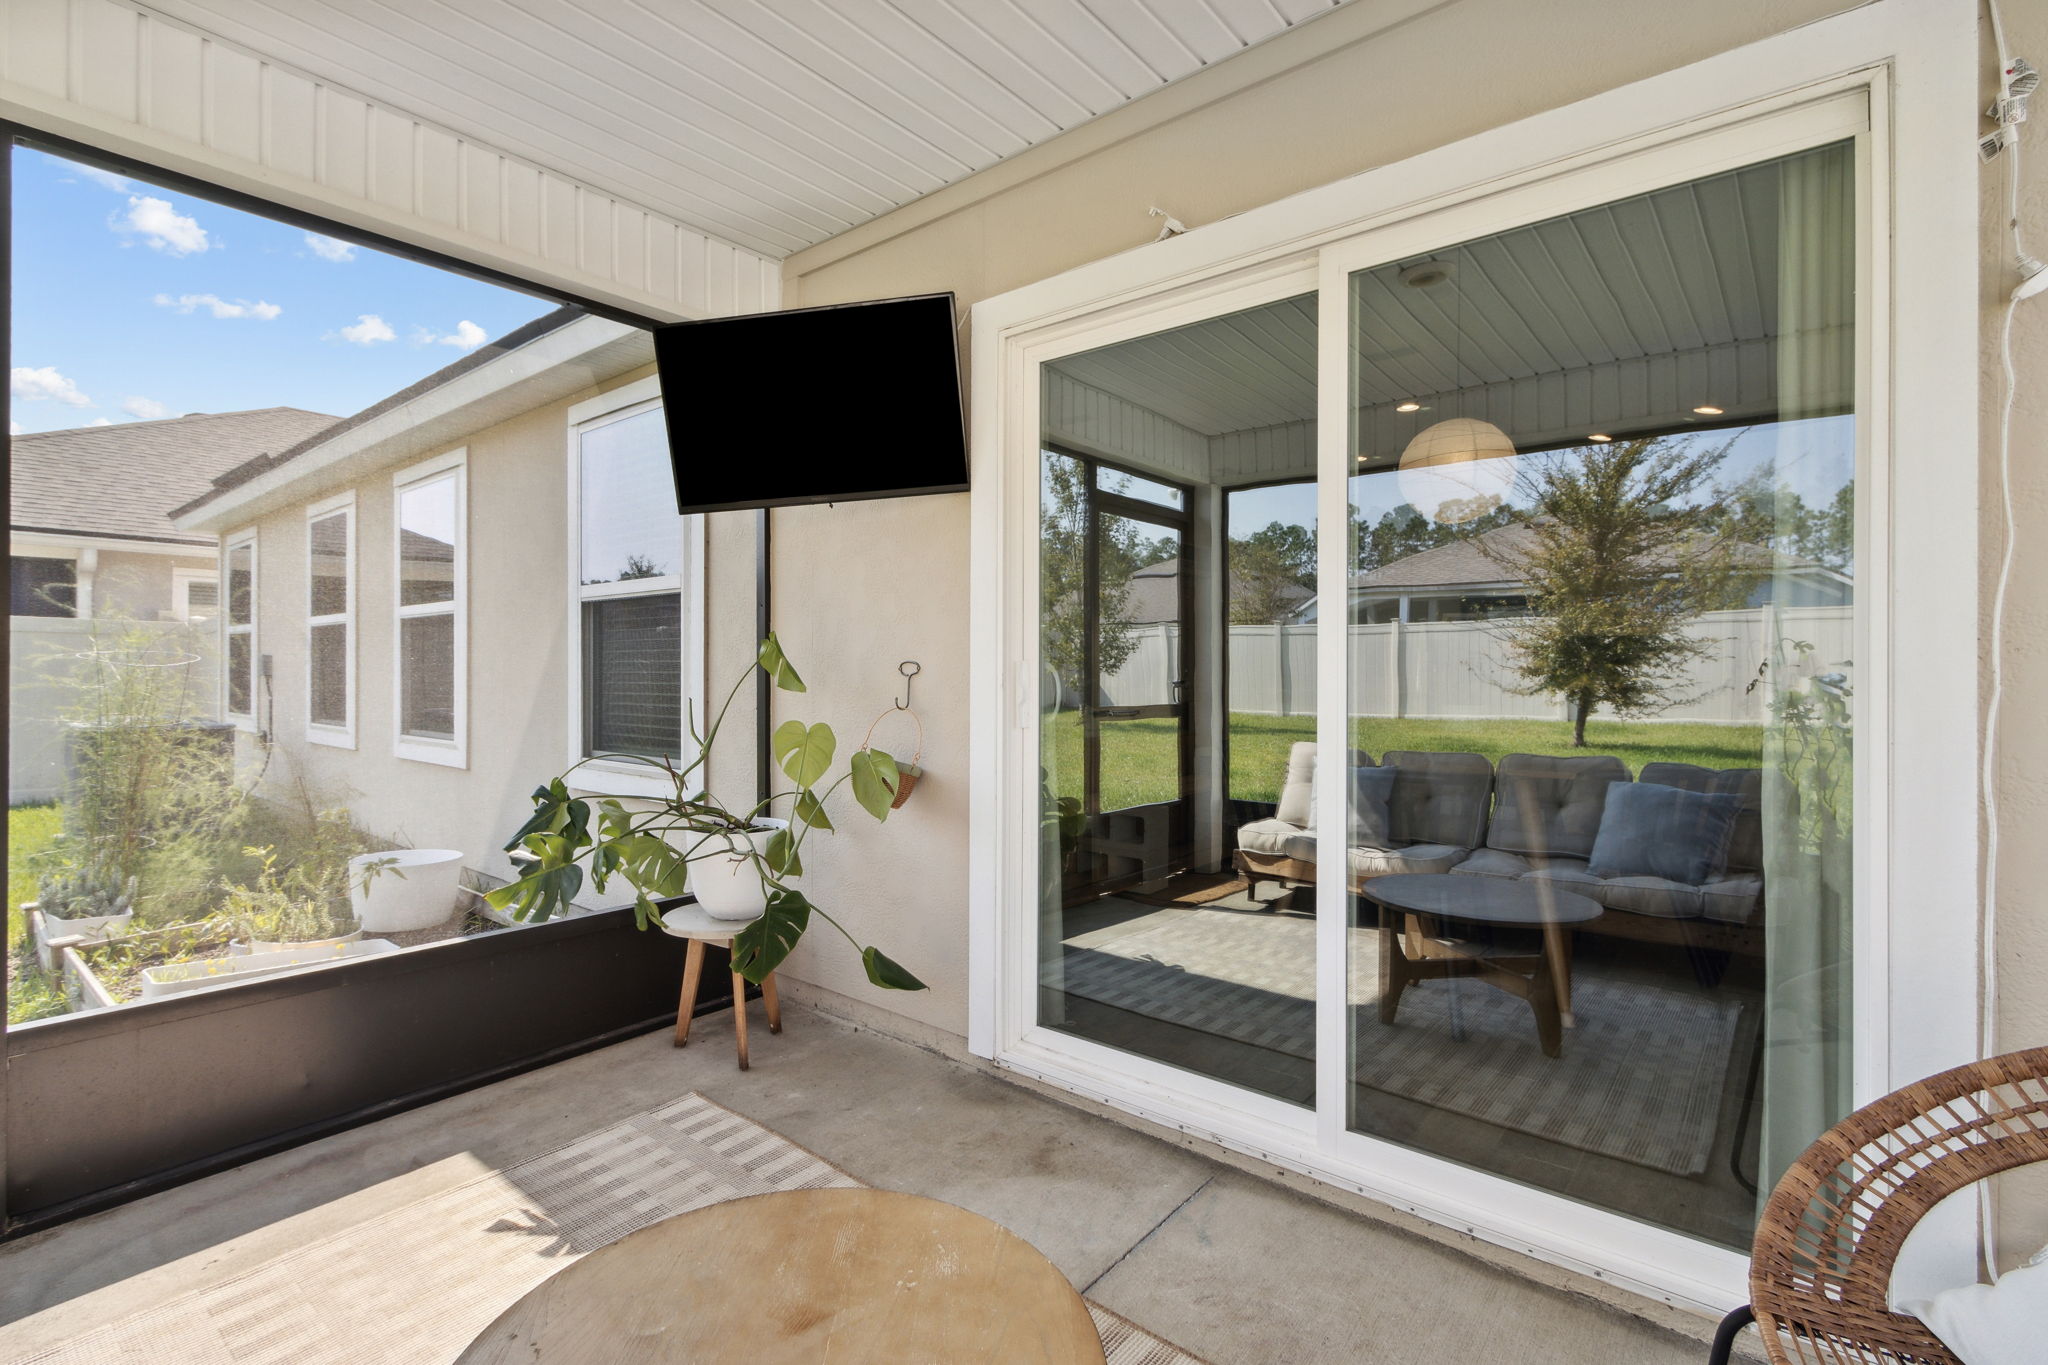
(1228, 1265)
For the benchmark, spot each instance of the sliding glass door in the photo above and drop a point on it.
(1498, 737)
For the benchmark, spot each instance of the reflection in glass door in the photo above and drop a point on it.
(1602, 567)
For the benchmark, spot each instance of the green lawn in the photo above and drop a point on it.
(1139, 755)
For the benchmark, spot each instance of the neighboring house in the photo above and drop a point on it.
(460, 591)
(1470, 580)
(91, 540)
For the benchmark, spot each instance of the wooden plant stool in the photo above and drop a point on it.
(690, 922)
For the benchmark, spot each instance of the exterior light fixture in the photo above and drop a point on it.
(1447, 464)
(1407, 407)
(1599, 438)
(1707, 410)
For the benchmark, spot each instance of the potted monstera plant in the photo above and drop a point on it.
(740, 861)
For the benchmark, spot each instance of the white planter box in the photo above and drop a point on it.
(418, 889)
(85, 928)
(176, 978)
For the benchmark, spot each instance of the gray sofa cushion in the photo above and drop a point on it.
(1277, 839)
(1746, 846)
(1731, 900)
(1439, 798)
(1367, 863)
(1498, 863)
(1371, 790)
(1551, 806)
(1651, 830)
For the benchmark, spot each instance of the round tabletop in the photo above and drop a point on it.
(1485, 900)
(690, 921)
(802, 1276)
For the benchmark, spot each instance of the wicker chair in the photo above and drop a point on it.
(1821, 1268)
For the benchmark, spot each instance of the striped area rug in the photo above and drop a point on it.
(417, 1284)
(1640, 1079)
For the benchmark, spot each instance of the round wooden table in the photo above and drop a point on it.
(1414, 951)
(801, 1277)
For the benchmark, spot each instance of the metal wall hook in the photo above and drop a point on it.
(909, 668)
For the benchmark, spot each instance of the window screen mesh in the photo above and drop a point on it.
(427, 676)
(633, 683)
(239, 688)
(329, 664)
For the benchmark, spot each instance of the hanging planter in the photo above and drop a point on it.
(906, 773)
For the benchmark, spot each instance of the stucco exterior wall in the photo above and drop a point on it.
(518, 649)
(867, 584)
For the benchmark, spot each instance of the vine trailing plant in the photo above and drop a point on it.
(651, 847)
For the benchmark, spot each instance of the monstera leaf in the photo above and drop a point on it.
(811, 811)
(875, 779)
(777, 666)
(888, 974)
(805, 751)
(760, 948)
(544, 892)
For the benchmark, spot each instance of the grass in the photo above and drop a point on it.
(30, 995)
(1139, 758)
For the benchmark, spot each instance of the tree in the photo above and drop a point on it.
(1404, 531)
(1761, 509)
(1062, 575)
(1618, 558)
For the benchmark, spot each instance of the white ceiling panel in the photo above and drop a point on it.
(773, 124)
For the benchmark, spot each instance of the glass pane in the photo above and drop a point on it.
(426, 543)
(241, 584)
(1270, 639)
(632, 688)
(327, 565)
(42, 587)
(630, 526)
(1600, 694)
(1154, 936)
(426, 670)
(328, 666)
(240, 684)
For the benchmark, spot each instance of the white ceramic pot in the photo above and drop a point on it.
(424, 896)
(728, 884)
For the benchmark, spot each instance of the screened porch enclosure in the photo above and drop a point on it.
(1597, 614)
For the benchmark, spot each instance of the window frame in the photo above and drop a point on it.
(229, 543)
(341, 736)
(81, 580)
(597, 774)
(181, 584)
(451, 466)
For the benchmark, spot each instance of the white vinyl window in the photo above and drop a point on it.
(635, 592)
(195, 595)
(239, 628)
(331, 621)
(430, 683)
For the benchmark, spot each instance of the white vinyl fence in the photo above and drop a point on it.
(1458, 669)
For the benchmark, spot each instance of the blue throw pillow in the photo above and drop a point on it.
(1650, 830)
(1371, 789)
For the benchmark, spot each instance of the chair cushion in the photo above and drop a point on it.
(1551, 806)
(1380, 862)
(2002, 1323)
(1297, 792)
(1371, 789)
(1492, 862)
(1439, 798)
(1746, 845)
(1277, 839)
(1651, 830)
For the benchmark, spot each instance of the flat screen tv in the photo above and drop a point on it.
(861, 400)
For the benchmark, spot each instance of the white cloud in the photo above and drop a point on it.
(29, 385)
(330, 248)
(148, 409)
(101, 422)
(220, 307)
(465, 335)
(367, 330)
(161, 226)
(106, 180)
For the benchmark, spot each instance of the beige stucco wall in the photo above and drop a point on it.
(518, 653)
(867, 584)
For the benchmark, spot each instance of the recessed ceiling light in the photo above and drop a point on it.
(1599, 438)
(1707, 410)
(1408, 407)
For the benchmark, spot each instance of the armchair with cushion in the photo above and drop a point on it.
(1283, 848)
(1435, 815)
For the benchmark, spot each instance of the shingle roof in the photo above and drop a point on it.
(1467, 563)
(123, 480)
(1155, 593)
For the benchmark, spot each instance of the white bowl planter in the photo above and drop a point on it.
(175, 978)
(728, 884)
(391, 903)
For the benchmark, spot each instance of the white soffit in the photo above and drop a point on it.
(773, 124)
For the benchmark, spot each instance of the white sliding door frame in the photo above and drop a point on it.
(1899, 76)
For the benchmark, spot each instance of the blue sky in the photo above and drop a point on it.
(134, 302)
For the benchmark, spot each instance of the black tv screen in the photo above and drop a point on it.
(814, 405)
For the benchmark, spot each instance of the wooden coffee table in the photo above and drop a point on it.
(1412, 907)
(801, 1277)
